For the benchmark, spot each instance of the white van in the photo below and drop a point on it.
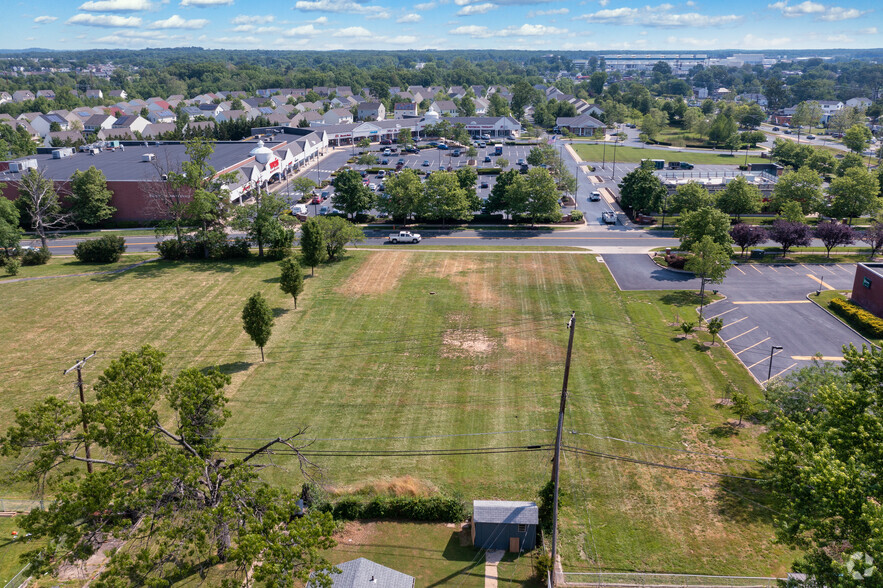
(298, 208)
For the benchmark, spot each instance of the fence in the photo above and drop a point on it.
(20, 578)
(20, 505)
(641, 580)
(679, 175)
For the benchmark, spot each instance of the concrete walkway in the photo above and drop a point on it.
(492, 557)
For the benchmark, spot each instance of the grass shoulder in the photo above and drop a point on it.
(59, 265)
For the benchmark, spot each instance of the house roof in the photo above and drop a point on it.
(510, 512)
(369, 105)
(359, 573)
(583, 120)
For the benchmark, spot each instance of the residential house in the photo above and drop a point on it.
(47, 94)
(758, 99)
(444, 107)
(481, 106)
(96, 122)
(22, 95)
(403, 109)
(322, 90)
(311, 116)
(118, 94)
(194, 111)
(5, 97)
(583, 125)
(95, 94)
(43, 123)
(456, 91)
(343, 91)
(337, 116)
(504, 524)
(132, 123)
(61, 137)
(371, 111)
(829, 108)
(364, 573)
(209, 109)
(161, 116)
(279, 117)
(227, 115)
(859, 102)
(154, 130)
(116, 134)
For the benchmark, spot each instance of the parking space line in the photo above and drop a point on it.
(734, 322)
(772, 268)
(820, 282)
(740, 334)
(806, 268)
(755, 345)
(738, 268)
(721, 314)
(812, 357)
(764, 359)
(757, 270)
(782, 372)
(791, 268)
(849, 271)
(772, 302)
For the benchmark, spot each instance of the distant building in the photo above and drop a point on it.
(371, 111)
(581, 126)
(867, 289)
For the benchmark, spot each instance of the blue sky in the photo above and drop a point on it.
(605, 25)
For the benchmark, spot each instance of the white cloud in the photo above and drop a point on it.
(867, 31)
(355, 32)
(551, 12)
(116, 5)
(424, 6)
(176, 22)
(219, 41)
(339, 6)
(690, 3)
(45, 19)
(412, 17)
(658, 17)
(838, 38)
(752, 42)
(252, 19)
(201, 3)
(690, 42)
(603, 2)
(321, 20)
(476, 9)
(243, 28)
(105, 20)
(474, 31)
(302, 31)
(401, 40)
(525, 30)
(821, 12)
(838, 13)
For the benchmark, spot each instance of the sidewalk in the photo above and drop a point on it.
(492, 558)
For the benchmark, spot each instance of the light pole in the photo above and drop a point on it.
(615, 143)
(769, 372)
(604, 150)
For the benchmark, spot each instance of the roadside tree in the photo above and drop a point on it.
(706, 221)
(261, 219)
(746, 236)
(873, 236)
(709, 262)
(89, 197)
(312, 244)
(849, 161)
(789, 153)
(503, 199)
(39, 201)
(803, 186)
(257, 320)
(641, 191)
(403, 196)
(10, 232)
(542, 196)
(722, 128)
(823, 162)
(792, 211)
(351, 194)
(303, 184)
(689, 197)
(444, 198)
(337, 234)
(807, 113)
(740, 197)
(833, 234)
(854, 194)
(857, 138)
(291, 278)
(790, 234)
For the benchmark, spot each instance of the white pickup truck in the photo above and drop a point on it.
(405, 237)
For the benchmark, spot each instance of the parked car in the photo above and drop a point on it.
(401, 160)
(426, 163)
(442, 146)
(316, 200)
(386, 142)
(363, 173)
(486, 137)
(405, 237)
(810, 137)
(384, 162)
(520, 161)
(776, 129)
(323, 211)
(484, 185)
(595, 196)
(412, 150)
(381, 173)
(787, 131)
(372, 186)
(487, 158)
(609, 217)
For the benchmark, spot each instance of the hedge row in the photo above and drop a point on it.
(105, 249)
(859, 318)
(446, 509)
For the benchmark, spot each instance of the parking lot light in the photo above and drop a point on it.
(773, 349)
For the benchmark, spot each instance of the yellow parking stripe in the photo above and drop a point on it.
(753, 346)
(738, 268)
(811, 357)
(740, 334)
(820, 282)
(782, 372)
(757, 270)
(772, 302)
(764, 359)
(721, 314)
(734, 322)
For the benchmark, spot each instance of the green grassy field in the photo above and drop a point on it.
(66, 265)
(636, 154)
(10, 549)
(398, 350)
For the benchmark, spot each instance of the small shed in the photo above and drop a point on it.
(504, 524)
(364, 573)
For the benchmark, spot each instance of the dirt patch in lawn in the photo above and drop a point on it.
(466, 343)
(355, 532)
(471, 274)
(519, 341)
(401, 486)
(379, 273)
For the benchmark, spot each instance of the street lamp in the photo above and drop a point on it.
(604, 150)
(615, 143)
(769, 372)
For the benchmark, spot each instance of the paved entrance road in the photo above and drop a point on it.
(766, 306)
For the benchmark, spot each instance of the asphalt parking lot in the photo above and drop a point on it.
(766, 306)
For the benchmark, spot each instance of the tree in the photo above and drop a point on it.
(257, 320)
(857, 138)
(365, 159)
(709, 262)
(337, 233)
(752, 137)
(10, 232)
(466, 107)
(746, 236)
(291, 278)
(849, 161)
(834, 235)
(404, 193)
(689, 197)
(741, 406)
(873, 236)
(791, 154)
(261, 219)
(443, 198)
(351, 194)
(498, 105)
(822, 161)
(792, 211)
(790, 234)
(541, 195)
(854, 194)
(806, 113)
(364, 142)
(641, 191)
(404, 138)
(39, 200)
(695, 225)
(161, 484)
(501, 162)
(722, 129)
(303, 185)
(803, 186)
(506, 196)
(822, 473)
(90, 198)
(597, 81)
(312, 244)
(740, 197)
(687, 328)
(714, 327)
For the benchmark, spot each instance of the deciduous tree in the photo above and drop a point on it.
(257, 320)
(855, 194)
(10, 232)
(710, 262)
(261, 218)
(857, 138)
(740, 197)
(790, 234)
(312, 244)
(873, 236)
(641, 191)
(833, 234)
(803, 186)
(337, 234)
(745, 236)
(689, 197)
(89, 197)
(444, 198)
(351, 194)
(39, 199)
(403, 196)
(291, 278)
(695, 225)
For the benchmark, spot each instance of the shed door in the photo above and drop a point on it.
(513, 545)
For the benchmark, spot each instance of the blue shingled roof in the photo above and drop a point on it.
(510, 512)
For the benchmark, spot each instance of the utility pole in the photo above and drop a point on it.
(556, 461)
(79, 367)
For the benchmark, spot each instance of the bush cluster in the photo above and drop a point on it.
(214, 246)
(439, 508)
(106, 249)
(576, 215)
(675, 261)
(36, 256)
(858, 317)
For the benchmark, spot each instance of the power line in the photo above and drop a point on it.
(395, 452)
(317, 439)
(716, 455)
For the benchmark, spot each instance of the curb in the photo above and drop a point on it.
(841, 321)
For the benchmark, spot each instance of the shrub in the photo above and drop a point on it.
(675, 261)
(36, 256)
(238, 248)
(438, 508)
(280, 246)
(106, 249)
(576, 215)
(860, 319)
(543, 566)
(347, 509)
(489, 171)
(171, 249)
(12, 266)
